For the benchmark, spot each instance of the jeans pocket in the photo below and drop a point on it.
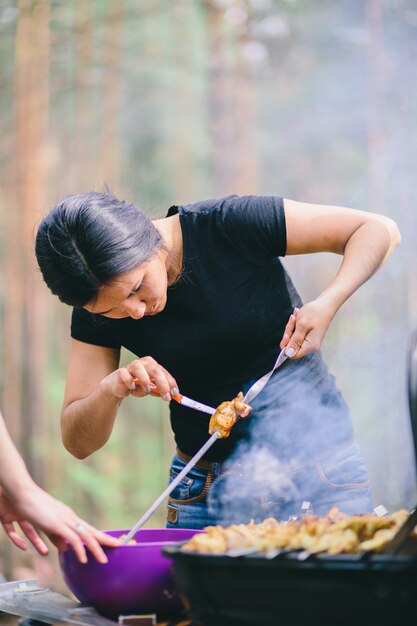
(193, 487)
(343, 472)
(182, 490)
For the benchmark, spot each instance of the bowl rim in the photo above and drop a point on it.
(164, 542)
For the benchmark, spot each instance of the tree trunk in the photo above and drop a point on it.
(109, 154)
(30, 176)
(244, 107)
(220, 113)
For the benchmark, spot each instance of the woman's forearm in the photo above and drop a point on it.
(87, 423)
(14, 476)
(366, 250)
(95, 389)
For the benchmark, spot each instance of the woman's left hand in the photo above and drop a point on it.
(305, 330)
(38, 511)
(9, 515)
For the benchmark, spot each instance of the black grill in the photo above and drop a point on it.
(345, 590)
(299, 590)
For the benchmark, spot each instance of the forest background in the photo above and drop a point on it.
(171, 102)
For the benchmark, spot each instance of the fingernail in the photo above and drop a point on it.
(290, 352)
(174, 391)
(148, 389)
(166, 397)
(133, 386)
(104, 559)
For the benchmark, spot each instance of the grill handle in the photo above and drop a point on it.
(412, 387)
(400, 538)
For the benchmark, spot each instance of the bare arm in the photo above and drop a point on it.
(13, 472)
(24, 502)
(364, 239)
(89, 408)
(95, 388)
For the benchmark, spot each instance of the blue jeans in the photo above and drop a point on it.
(296, 446)
(200, 500)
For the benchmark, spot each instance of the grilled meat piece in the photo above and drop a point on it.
(348, 534)
(227, 414)
(218, 540)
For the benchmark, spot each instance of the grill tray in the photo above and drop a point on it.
(370, 590)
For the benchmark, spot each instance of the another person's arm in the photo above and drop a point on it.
(95, 388)
(24, 502)
(364, 239)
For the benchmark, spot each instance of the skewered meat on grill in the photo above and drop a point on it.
(227, 414)
(351, 534)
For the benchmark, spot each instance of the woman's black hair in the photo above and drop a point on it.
(90, 238)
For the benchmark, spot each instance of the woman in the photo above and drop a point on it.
(22, 501)
(202, 299)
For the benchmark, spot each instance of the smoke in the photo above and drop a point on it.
(252, 483)
(298, 447)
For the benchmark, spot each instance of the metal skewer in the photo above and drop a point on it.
(184, 400)
(170, 488)
(251, 393)
(261, 382)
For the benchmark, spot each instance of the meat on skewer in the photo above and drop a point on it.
(227, 414)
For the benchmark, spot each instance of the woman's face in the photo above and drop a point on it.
(140, 292)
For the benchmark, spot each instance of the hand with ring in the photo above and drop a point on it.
(35, 510)
(79, 528)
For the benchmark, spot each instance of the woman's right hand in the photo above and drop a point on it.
(138, 378)
(96, 385)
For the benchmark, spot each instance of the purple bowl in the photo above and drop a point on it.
(137, 579)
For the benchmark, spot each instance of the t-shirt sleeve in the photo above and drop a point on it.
(92, 329)
(254, 226)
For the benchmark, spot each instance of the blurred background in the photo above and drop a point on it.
(171, 102)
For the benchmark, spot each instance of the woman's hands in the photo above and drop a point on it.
(305, 330)
(96, 385)
(364, 239)
(34, 509)
(138, 378)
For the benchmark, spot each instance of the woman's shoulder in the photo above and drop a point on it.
(228, 206)
(251, 224)
(202, 207)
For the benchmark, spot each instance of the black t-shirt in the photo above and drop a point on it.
(223, 320)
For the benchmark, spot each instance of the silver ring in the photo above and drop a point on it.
(79, 528)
